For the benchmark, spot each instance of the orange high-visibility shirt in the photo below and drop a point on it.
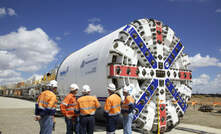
(87, 105)
(68, 105)
(112, 105)
(127, 101)
(46, 103)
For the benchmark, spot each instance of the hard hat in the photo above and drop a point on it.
(111, 87)
(86, 88)
(131, 86)
(52, 83)
(126, 89)
(73, 87)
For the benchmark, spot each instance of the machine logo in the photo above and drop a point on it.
(89, 65)
(84, 62)
(64, 72)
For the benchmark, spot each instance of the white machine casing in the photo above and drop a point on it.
(145, 53)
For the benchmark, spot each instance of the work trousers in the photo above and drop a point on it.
(72, 125)
(111, 124)
(46, 124)
(87, 124)
(127, 123)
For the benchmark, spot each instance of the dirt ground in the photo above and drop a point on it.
(19, 120)
(210, 119)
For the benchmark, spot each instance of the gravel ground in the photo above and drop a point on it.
(16, 117)
(209, 119)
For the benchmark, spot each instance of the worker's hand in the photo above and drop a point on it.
(69, 116)
(37, 118)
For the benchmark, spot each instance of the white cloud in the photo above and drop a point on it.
(93, 28)
(220, 50)
(7, 11)
(57, 38)
(8, 73)
(93, 20)
(66, 33)
(218, 10)
(199, 61)
(35, 77)
(11, 12)
(2, 12)
(204, 84)
(10, 80)
(25, 51)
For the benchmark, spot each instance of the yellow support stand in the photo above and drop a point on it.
(158, 115)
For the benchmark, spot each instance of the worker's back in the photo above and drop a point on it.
(112, 105)
(46, 103)
(87, 105)
(68, 105)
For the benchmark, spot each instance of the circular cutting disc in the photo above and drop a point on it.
(148, 55)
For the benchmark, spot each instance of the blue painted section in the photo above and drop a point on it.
(143, 49)
(178, 47)
(176, 95)
(145, 97)
(125, 29)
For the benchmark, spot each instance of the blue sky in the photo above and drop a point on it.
(69, 25)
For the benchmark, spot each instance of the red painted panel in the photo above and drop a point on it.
(111, 70)
(123, 71)
(163, 117)
(185, 75)
(159, 29)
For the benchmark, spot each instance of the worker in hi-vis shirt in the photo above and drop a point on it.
(45, 108)
(112, 109)
(127, 109)
(68, 106)
(86, 106)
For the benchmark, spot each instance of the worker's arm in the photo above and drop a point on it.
(97, 104)
(131, 108)
(107, 107)
(77, 108)
(131, 105)
(64, 104)
(37, 110)
(51, 109)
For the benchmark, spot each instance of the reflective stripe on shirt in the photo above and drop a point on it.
(115, 106)
(43, 102)
(87, 108)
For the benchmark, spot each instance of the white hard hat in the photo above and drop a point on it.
(86, 88)
(131, 86)
(111, 87)
(52, 83)
(126, 89)
(73, 87)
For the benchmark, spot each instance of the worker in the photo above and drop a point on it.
(86, 106)
(45, 108)
(127, 109)
(112, 109)
(68, 106)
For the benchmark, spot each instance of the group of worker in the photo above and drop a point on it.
(79, 113)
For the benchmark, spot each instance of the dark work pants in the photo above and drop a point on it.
(72, 125)
(87, 124)
(46, 124)
(111, 124)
